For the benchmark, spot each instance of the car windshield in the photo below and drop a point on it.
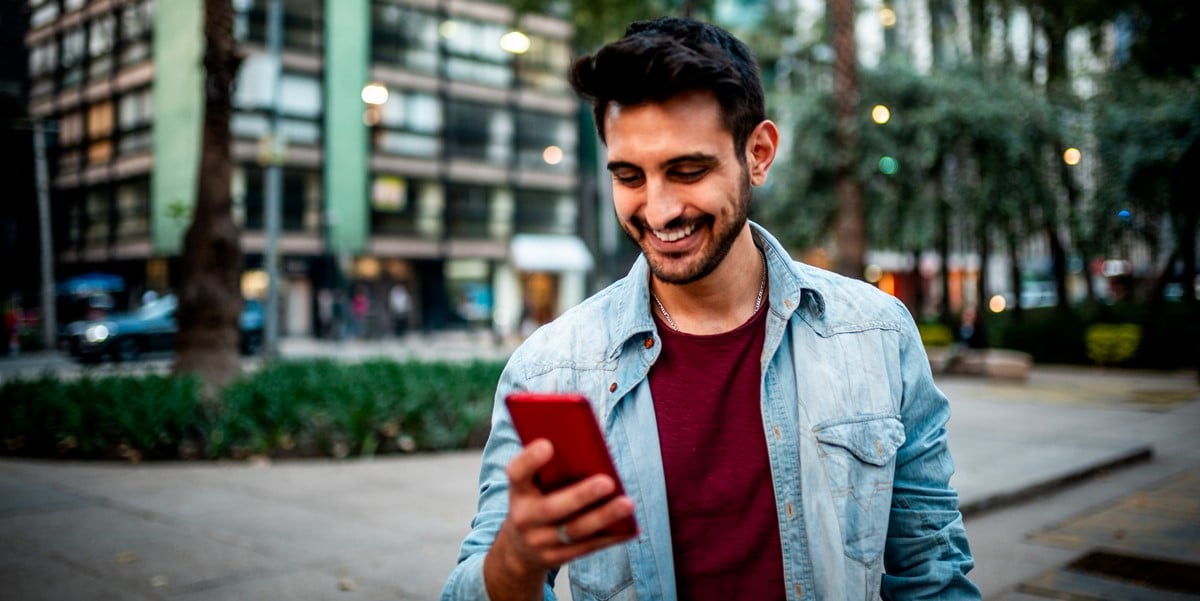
(157, 308)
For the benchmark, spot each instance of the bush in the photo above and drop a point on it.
(935, 334)
(1112, 343)
(286, 408)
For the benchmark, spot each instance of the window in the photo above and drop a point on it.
(70, 129)
(100, 45)
(544, 66)
(410, 124)
(137, 23)
(303, 23)
(545, 142)
(135, 116)
(133, 210)
(393, 205)
(300, 103)
(300, 200)
(99, 131)
(43, 59)
(467, 210)
(96, 214)
(71, 56)
(542, 212)
(42, 12)
(478, 132)
(474, 52)
(404, 37)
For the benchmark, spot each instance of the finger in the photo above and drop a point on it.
(524, 466)
(570, 500)
(591, 523)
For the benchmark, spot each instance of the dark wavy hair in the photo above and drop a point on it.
(662, 58)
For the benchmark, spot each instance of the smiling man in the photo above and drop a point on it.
(775, 426)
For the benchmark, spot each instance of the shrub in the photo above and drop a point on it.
(286, 408)
(1112, 343)
(935, 334)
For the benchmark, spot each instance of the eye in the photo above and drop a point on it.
(689, 174)
(627, 177)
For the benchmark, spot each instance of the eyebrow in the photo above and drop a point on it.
(695, 157)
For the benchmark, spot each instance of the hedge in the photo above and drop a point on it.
(302, 408)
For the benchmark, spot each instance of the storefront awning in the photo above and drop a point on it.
(550, 252)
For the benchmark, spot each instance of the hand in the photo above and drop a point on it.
(528, 544)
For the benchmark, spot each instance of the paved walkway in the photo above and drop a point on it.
(389, 528)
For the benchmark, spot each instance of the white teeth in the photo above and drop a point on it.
(673, 235)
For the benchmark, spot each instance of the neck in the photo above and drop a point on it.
(719, 302)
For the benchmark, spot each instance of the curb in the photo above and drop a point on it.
(1001, 500)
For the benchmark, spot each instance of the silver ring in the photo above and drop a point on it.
(563, 537)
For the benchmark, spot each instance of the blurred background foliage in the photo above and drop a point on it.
(291, 408)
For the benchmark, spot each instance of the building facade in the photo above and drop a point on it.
(424, 146)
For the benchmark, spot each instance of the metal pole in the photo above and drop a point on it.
(272, 184)
(49, 309)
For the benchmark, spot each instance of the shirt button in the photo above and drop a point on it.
(612, 387)
(649, 342)
(799, 591)
(778, 434)
(789, 511)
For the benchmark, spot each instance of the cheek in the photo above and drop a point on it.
(625, 203)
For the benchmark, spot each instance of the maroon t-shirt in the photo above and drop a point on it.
(724, 528)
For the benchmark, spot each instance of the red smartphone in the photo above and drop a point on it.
(567, 421)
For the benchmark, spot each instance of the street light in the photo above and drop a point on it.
(374, 95)
(515, 42)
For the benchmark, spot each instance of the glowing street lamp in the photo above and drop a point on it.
(374, 94)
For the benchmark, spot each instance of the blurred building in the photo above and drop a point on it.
(426, 145)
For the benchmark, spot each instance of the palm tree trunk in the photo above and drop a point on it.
(210, 299)
(851, 219)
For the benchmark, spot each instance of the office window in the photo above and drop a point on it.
(478, 132)
(474, 52)
(544, 66)
(545, 142)
(467, 213)
(99, 130)
(137, 24)
(70, 129)
(133, 210)
(300, 200)
(410, 124)
(43, 59)
(71, 56)
(303, 23)
(393, 205)
(135, 117)
(70, 5)
(96, 217)
(403, 36)
(42, 12)
(101, 32)
(540, 212)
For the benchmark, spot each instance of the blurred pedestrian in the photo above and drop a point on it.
(776, 426)
(360, 306)
(400, 303)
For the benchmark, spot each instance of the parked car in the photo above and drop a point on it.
(125, 336)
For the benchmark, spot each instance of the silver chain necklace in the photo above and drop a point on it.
(762, 286)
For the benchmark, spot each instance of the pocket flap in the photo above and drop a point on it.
(872, 439)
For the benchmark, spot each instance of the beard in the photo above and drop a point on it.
(725, 228)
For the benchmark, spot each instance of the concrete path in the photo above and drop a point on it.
(389, 528)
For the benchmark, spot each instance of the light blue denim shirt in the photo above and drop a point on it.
(856, 436)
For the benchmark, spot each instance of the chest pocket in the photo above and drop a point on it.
(602, 576)
(857, 455)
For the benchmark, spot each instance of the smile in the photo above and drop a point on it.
(675, 234)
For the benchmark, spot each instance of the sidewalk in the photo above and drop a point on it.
(389, 528)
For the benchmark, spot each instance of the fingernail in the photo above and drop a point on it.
(602, 486)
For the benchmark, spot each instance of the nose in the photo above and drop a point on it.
(663, 204)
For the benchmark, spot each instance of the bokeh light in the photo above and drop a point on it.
(997, 304)
(553, 155)
(880, 114)
(888, 165)
(887, 17)
(515, 42)
(1072, 156)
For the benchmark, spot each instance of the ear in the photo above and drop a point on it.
(761, 147)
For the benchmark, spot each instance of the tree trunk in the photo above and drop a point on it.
(979, 336)
(1014, 273)
(210, 299)
(851, 218)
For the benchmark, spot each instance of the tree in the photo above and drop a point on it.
(850, 227)
(210, 299)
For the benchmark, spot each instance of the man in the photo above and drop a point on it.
(775, 426)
